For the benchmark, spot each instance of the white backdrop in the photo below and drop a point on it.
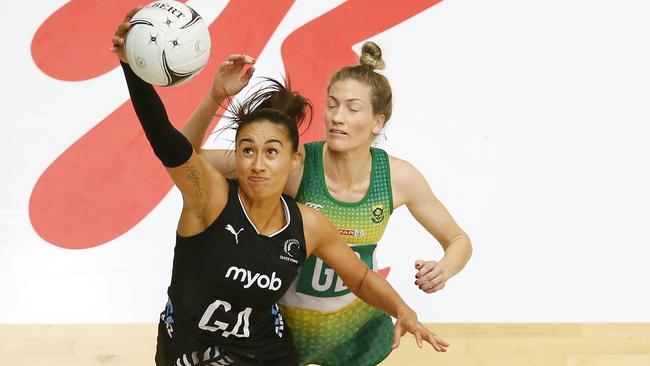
(530, 120)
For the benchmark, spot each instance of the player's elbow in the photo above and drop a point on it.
(357, 285)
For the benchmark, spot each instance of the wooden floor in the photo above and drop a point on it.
(471, 344)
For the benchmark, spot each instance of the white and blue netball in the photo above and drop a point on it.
(168, 43)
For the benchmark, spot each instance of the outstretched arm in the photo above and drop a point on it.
(327, 244)
(412, 189)
(231, 77)
(200, 185)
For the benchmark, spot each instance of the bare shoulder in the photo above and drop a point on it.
(316, 226)
(400, 166)
(406, 181)
(402, 172)
(311, 219)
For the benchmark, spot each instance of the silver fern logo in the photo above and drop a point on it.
(291, 248)
(288, 246)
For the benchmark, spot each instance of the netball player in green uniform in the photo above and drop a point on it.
(357, 187)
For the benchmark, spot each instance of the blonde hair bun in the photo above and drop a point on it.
(371, 56)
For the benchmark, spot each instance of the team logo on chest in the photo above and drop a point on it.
(233, 232)
(291, 249)
(377, 213)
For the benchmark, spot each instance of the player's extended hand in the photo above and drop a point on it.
(430, 276)
(231, 77)
(120, 33)
(410, 323)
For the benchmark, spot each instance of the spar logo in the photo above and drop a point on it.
(108, 180)
(351, 232)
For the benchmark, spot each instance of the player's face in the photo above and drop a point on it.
(350, 122)
(265, 157)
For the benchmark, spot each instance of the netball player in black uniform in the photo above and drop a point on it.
(239, 242)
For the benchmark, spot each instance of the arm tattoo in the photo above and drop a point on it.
(193, 176)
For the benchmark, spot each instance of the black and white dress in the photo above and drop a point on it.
(225, 284)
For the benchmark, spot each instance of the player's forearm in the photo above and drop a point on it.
(457, 254)
(377, 292)
(197, 125)
(169, 145)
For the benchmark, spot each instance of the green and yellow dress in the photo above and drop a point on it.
(331, 326)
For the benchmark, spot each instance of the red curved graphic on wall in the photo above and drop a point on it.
(313, 52)
(72, 43)
(109, 180)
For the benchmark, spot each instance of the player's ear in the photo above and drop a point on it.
(295, 160)
(380, 120)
